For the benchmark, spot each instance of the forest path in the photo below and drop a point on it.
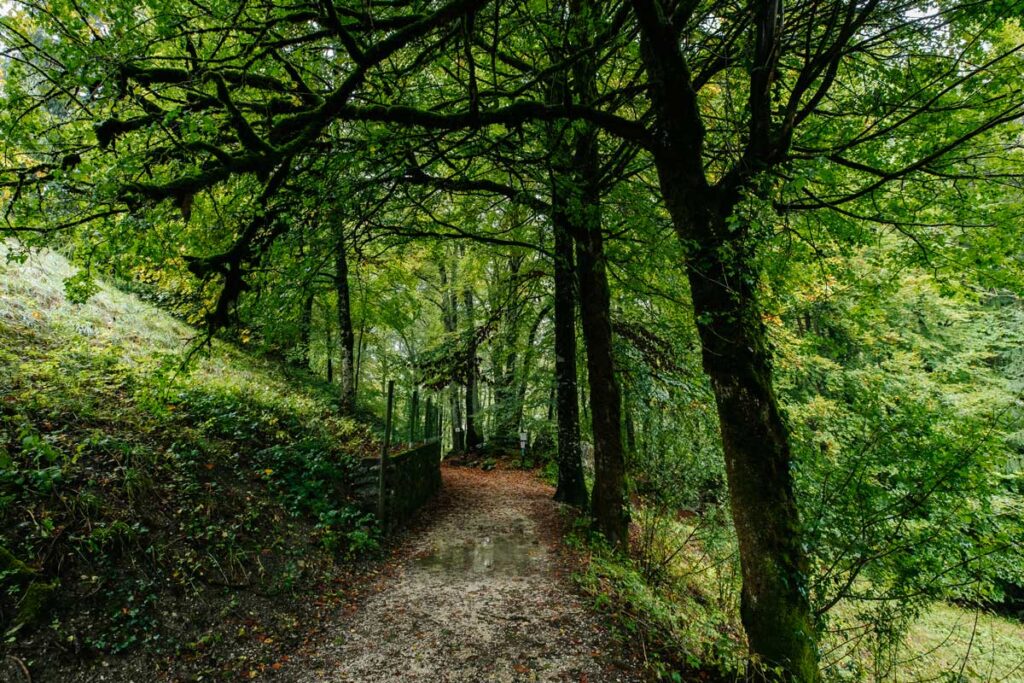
(481, 594)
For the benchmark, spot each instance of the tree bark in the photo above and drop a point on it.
(774, 606)
(330, 352)
(630, 424)
(306, 328)
(346, 336)
(608, 504)
(721, 270)
(451, 323)
(458, 440)
(572, 487)
(506, 406)
(473, 436)
(526, 365)
(360, 347)
(608, 498)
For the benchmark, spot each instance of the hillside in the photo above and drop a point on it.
(149, 508)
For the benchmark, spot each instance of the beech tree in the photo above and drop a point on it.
(792, 61)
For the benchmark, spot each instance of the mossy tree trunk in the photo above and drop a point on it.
(723, 276)
(774, 605)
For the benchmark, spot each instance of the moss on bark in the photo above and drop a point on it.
(12, 567)
(35, 602)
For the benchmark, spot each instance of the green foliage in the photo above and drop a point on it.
(80, 286)
(685, 630)
(861, 187)
(900, 389)
(903, 432)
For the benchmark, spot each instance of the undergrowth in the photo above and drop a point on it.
(685, 629)
(130, 486)
(675, 599)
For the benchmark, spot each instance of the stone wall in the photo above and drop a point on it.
(411, 479)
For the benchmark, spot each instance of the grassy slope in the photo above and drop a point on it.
(175, 511)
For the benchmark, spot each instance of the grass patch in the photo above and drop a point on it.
(946, 643)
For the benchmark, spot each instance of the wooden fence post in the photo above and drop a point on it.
(414, 412)
(428, 420)
(382, 503)
(440, 420)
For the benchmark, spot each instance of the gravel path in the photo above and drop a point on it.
(481, 594)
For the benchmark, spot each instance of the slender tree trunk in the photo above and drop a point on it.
(572, 488)
(458, 442)
(608, 503)
(507, 410)
(330, 352)
(306, 328)
(450, 315)
(527, 364)
(360, 346)
(506, 407)
(473, 435)
(551, 401)
(306, 316)
(346, 337)
(627, 409)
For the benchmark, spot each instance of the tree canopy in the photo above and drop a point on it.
(787, 233)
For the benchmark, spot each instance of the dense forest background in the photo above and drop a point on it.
(746, 275)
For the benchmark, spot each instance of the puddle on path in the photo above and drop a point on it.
(513, 553)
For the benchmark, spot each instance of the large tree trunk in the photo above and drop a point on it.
(346, 336)
(720, 267)
(774, 606)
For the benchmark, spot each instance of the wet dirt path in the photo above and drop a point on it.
(481, 595)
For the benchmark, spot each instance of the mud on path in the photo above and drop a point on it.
(481, 594)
